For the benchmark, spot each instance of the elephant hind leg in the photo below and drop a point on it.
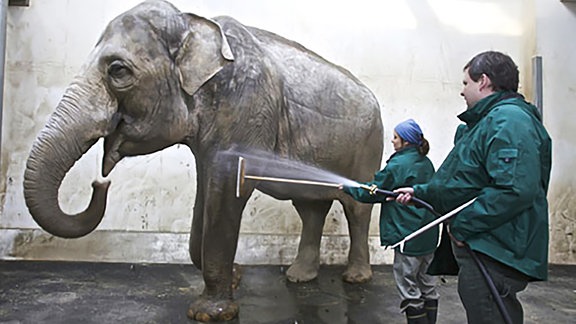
(313, 215)
(358, 216)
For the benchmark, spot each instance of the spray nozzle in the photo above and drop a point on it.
(373, 189)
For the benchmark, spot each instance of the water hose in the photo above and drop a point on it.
(374, 190)
(481, 266)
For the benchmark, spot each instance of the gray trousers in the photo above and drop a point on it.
(414, 285)
(475, 294)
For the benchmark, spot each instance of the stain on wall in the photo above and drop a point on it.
(563, 226)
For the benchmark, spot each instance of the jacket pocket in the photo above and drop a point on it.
(506, 160)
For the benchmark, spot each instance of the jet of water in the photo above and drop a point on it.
(265, 164)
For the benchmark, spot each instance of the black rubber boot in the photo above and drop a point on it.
(416, 315)
(431, 307)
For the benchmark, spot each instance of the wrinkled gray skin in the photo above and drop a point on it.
(158, 77)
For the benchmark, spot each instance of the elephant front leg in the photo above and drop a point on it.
(358, 269)
(219, 239)
(217, 301)
(195, 243)
(208, 310)
(313, 215)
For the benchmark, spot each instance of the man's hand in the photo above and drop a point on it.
(404, 195)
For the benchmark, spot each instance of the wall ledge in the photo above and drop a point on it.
(153, 247)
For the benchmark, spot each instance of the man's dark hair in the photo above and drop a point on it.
(500, 68)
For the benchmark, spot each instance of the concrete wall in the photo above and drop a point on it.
(410, 53)
(555, 28)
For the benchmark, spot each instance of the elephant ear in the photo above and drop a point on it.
(204, 52)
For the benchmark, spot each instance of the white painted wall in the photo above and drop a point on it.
(409, 52)
(555, 28)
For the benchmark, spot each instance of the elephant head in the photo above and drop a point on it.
(133, 91)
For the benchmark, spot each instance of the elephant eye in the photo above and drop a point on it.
(119, 74)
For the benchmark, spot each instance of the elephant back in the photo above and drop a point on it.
(320, 111)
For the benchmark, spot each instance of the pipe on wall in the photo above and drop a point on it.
(3, 15)
(537, 83)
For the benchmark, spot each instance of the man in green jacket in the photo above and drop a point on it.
(502, 156)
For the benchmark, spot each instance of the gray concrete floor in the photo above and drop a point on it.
(69, 292)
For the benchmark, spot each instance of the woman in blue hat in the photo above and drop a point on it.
(406, 167)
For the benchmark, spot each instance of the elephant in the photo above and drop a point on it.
(159, 77)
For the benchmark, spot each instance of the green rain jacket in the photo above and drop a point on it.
(502, 156)
(404, 168)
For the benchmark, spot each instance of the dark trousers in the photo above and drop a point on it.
(475, 294)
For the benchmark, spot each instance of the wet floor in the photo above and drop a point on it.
(70, 292)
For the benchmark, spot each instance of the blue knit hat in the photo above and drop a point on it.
(410, 132)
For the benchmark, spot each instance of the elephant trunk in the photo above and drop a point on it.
(73, 128)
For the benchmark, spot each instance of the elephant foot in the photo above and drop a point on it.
(300, 273)
(357, 274)
(236, 275)
(204, 310)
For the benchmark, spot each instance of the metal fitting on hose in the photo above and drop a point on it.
(372, 189)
